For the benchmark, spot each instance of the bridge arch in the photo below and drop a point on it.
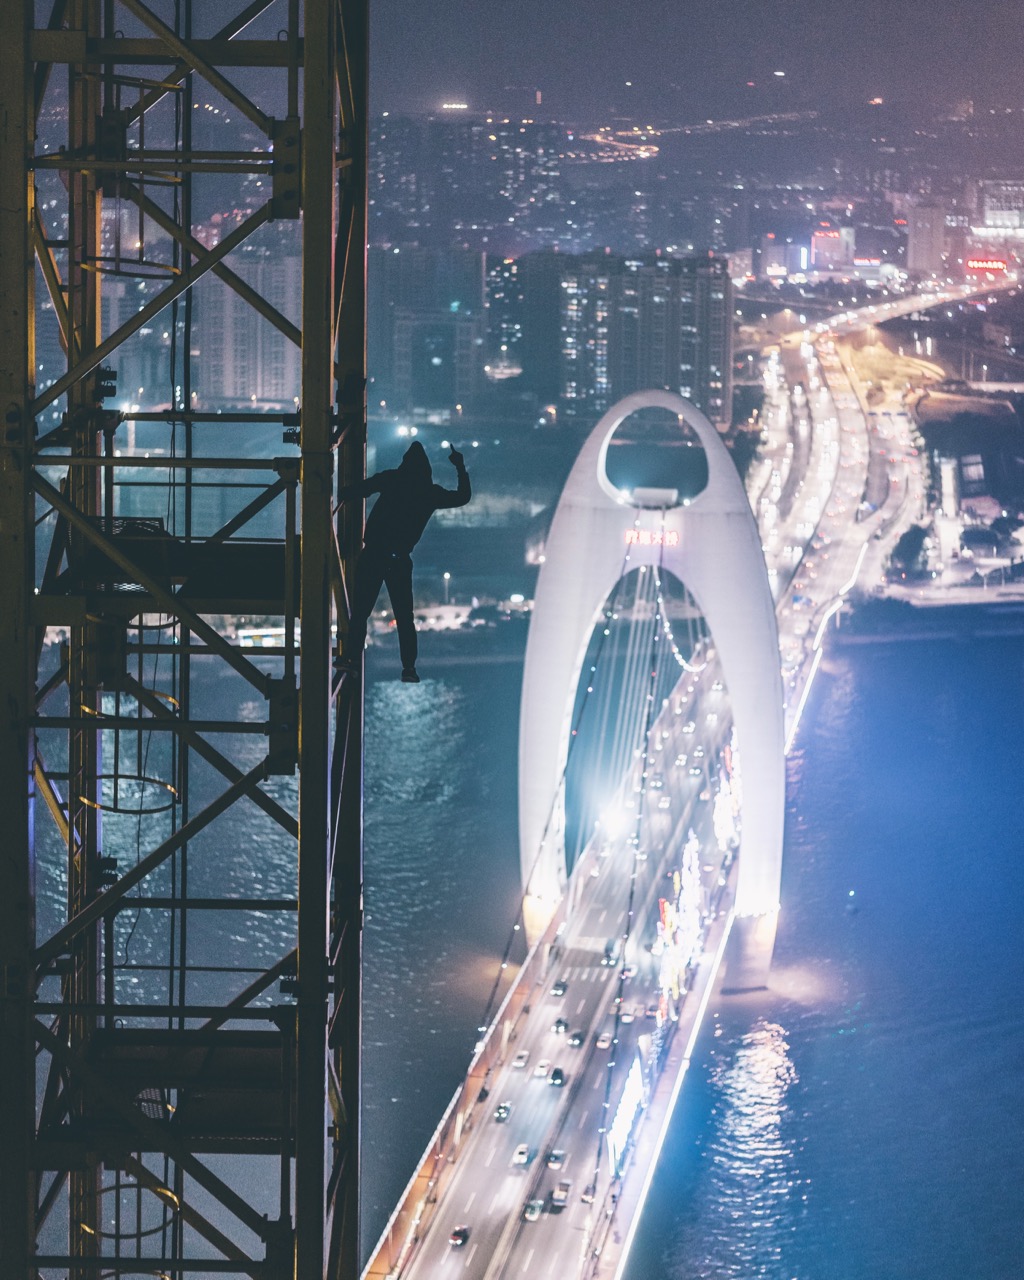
(712, 545)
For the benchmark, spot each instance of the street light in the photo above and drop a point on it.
(447, 579)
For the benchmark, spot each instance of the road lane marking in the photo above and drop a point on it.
(600, 918)
(494, 1201)
(582, 1005)
(469, 1256)
(472, 1197)
(490, 1156)
(529, 1259)
(583, 1120)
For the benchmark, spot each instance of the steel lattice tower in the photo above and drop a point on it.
(179, 1024)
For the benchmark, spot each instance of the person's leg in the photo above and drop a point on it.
(369, 576)
(398, 576)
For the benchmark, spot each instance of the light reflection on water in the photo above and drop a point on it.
(753, 1171)
(886, 1140)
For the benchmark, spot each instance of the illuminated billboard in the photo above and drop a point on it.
(986, 264)
(652, 538)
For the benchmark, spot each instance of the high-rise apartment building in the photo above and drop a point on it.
(926, 239)
(246, 360)
(600, 326)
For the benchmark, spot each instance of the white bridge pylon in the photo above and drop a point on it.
(712, 545)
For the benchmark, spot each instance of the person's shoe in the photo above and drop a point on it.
(348, 666)
(409, 675)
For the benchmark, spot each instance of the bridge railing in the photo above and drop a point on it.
(429, 1182)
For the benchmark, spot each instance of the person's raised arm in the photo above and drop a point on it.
(462, 493)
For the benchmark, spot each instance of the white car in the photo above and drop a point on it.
(542, 1068)
(521, 1059)
(521, 1155)
(604, 1040)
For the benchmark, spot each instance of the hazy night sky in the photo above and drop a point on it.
(688, 59)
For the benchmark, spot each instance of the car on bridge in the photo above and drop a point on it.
(556, 1158)
(458, 1237)
(521, 1059)
(560, 1194)
(521, 1155)
(576, 1039)
(502, 1112)
(533, 1210)
(559, 1026)
(560, 987)
(557, 1077)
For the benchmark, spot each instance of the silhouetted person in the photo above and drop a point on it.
(408, 498)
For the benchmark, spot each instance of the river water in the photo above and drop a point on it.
(863, 1118)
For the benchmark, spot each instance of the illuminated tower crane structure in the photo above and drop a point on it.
(180, 859)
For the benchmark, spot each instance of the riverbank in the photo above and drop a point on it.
(889, 621)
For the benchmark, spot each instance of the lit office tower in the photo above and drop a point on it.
(600, 326)
(926, 239)
(504, 318)
(1000, 205)
(398, 204)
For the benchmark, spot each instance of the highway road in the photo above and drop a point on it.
(610, 1005)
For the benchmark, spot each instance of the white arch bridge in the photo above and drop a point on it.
(653, 644)
(711, 544)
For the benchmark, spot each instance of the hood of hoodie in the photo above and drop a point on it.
(415, 462)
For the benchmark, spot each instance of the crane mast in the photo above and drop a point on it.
(182, 188)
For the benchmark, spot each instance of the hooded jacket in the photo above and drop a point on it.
(408, 498)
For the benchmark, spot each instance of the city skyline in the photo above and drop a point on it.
(675, 59)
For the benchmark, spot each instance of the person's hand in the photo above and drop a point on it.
(456, 458)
